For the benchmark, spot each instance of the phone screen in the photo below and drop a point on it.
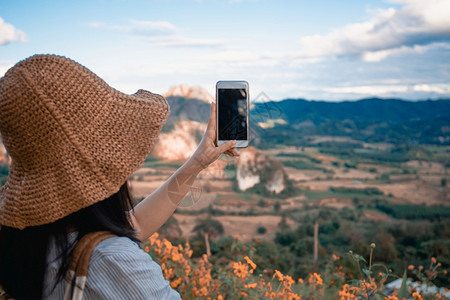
(232, 114)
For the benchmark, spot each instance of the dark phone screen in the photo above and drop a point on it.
(232, 114)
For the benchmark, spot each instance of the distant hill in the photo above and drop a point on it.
(374, 109)
(371, 120)
(290, 121)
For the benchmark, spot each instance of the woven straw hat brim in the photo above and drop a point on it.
(73, 139)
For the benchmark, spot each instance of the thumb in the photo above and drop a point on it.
(227, 146)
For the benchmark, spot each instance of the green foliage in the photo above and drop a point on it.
(350, 165)
(385, 176)
(4, 170)
(403, 292)
(156, 163)
(367, 191)
(277, 206)
(261, 230)
(412, 212)
(294, 155)
(300, 165)
(262, 202)
(336, 164)
(370, 120)
(210, 226)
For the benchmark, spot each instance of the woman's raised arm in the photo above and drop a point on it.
(151, 213)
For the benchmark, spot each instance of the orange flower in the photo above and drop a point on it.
(417, 296)
(433, 260)
(176, 283)
(279, 275)
(292, 296)
(345, 293)
(239, 269)
(251, 263)
(318, 279)
(411, 267)
(250, 285)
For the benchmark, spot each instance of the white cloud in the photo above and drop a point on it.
(8, 33)
(159, 33)
(441, 89)
(152, 28)
(383, 90)
(4, 66)
(141, 28)
(368, 89)
(389, 32)
(375, 56)
(182, 41)
(243, 58)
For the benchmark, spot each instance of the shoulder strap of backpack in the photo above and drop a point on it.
(79, 263)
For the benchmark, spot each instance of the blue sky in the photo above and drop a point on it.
(319, 50)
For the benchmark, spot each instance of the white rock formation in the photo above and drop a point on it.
(180, 143)
(250, 168)
(187, 91)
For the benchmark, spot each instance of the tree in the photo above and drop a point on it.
(208, 228)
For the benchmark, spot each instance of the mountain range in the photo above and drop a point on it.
(290, 121)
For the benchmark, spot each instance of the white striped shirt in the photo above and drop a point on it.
(118, 269)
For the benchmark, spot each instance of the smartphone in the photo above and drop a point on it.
(232, 100)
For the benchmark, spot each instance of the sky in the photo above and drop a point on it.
(317, 50)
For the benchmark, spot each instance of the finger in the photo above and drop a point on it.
(232, 152)
(229, 153)
(212, 118)
(226, 146)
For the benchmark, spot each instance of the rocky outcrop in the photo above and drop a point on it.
(3, 156)
(179, 143)
(186, 91)
(254, 168)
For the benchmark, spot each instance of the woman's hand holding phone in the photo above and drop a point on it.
(233, 112)
(207, 151)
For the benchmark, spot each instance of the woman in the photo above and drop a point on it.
(73, 142)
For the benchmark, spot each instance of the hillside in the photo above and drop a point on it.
(290, 121)
(374, 109)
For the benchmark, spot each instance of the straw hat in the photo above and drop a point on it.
(73, 140)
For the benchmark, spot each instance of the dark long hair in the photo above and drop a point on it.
(23, 253)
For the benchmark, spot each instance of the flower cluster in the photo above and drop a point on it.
(199, 279)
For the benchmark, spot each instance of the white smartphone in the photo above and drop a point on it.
(232, 100)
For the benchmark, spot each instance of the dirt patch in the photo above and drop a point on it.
(244, 226)
(424, 166)
(325, 158)
(376, 216)
(353, 173)
(416, 192)
(338, 203)
(325, 185)
(141, 189)
(304, 175)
